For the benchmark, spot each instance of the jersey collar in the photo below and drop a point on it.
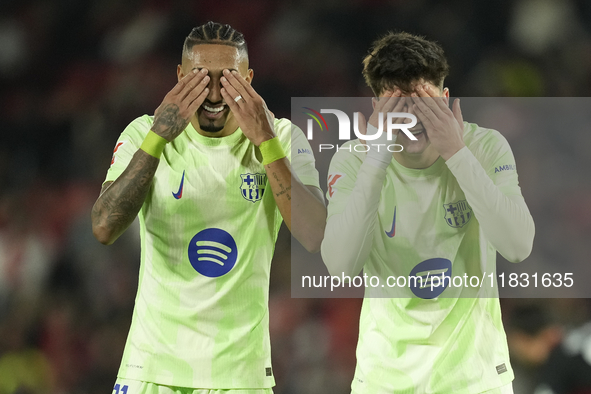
(231, 139)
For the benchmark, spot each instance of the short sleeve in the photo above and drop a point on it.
(299, 152)
(128, 143)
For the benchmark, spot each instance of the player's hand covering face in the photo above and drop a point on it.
(214, 118)
(390, 101)
(444, 127)
(249, 109)
(179, 105)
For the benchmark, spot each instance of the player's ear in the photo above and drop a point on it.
(445, 94)
(374, 101)
(179, 72)
(249, 75)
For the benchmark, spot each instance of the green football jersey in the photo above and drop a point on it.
(416, 338)
(208, 231)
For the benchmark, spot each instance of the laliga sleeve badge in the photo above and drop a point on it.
(119, 144)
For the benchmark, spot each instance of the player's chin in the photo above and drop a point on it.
(211, 125)
(211, 128)
(418, 146)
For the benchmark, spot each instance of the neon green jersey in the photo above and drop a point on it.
(418, 339)
(208, 231)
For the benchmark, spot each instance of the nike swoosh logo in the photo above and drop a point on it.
(393, 230)
(179, 194)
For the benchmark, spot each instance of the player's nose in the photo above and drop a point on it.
(408, 108)
(215, 86)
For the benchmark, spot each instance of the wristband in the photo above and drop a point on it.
(153, 144)
(271, 151)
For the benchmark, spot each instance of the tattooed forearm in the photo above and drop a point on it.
(284, 191)
(309, 216)
(120, 202)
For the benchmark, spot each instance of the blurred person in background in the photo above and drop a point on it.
(548, 360)
(23, 367)
(212, 177)
(450, 199)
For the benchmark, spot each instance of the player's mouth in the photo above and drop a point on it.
(214, 111)
(418, 129)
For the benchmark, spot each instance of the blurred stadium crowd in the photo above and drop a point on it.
(74, 73)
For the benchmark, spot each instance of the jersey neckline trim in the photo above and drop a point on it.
(434, 169)
(211, 141)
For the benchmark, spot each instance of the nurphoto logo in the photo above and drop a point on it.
(345, 128)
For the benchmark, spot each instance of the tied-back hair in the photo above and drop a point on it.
(215, 33)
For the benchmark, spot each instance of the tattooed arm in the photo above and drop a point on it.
(301, 206)
(121, 200)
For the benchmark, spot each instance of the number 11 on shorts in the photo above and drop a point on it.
(123, 389)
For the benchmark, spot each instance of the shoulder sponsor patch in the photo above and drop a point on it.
(119, 144)
(332, 182)
(305, 151)
(506, 167)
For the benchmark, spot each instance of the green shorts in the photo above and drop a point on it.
(506, 389)
(129, 386)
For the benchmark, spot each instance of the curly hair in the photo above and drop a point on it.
(401, 59)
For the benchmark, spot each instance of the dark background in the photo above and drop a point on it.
(74, 73)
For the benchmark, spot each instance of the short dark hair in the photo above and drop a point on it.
(215, 33)
(399, 59)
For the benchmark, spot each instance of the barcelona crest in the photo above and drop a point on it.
(457, 214)
(253, 186)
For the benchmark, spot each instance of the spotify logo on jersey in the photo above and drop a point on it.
(430, 278)
(213, 252)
